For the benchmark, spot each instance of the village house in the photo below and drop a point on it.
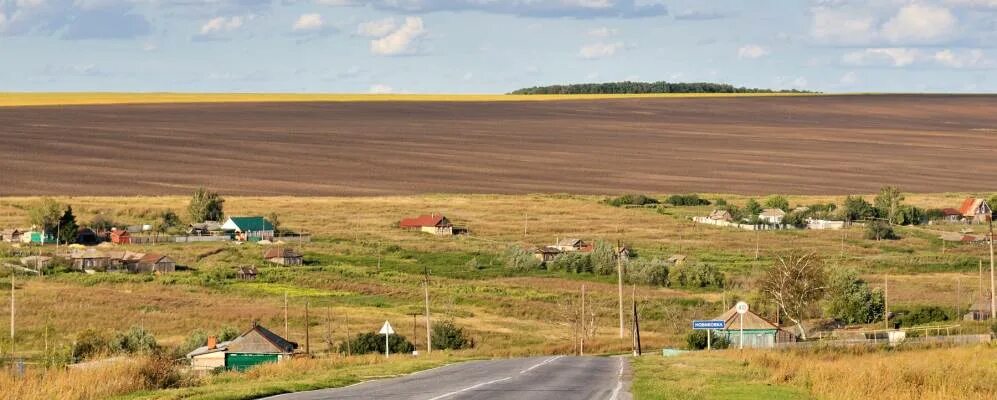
(283, 256)
(758, 332)
(36, 262)
(89, 259)
(772, 216)
(951, 215)
(436, 224)
(37, 237)
(976, 210)
(546, 254)
(821, 224)
(205, 228)
(156, 263)
(721, 215)
(120, 236)
(572, 244)
(11, 235)
(254, 347)
(123, 260)
(249, 229)
(980, 310)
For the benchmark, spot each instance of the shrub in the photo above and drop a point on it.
(91, 342)
(572, 262)
(697, 276)
(135, 340)
(852, 301)
(648, 272)
(697, 341)
(777, 201)
(161, 372)
(100, 222)
(371, 342)
(686, 200)
(879, 230)
(631, 200)
(920, 316)
(518, 259)
(603, 258)
(448, 336)
(752, 207)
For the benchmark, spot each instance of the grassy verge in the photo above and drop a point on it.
(705, 376)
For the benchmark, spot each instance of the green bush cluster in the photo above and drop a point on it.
(448, 336)
(698, 275)
(632, 200)
(91, 342)
(921, 315)
(697, 341)
(372, 342)
(686, 200)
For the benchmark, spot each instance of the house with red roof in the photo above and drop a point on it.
(976, 210)
(436, 224)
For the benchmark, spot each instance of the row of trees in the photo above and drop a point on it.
(642, 200)
(628, 87)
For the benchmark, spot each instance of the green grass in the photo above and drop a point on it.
(704, 376)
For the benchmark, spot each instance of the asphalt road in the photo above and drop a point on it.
(536, 378)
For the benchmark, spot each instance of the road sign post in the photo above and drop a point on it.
(386, 330)
(741, 308)
(709, 326)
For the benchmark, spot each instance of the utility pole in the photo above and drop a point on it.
(328, 327)
(526, 223)
(758, 243)
(581, 346)
(378, 257)
(308, 328)
(636, 324)
(349, 351)
(12, 309)
(619, 273)
(286, 331)
(886, 301)
(429, 334)
(993, 299)
(958, 296)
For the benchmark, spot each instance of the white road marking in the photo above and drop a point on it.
(619, 382)
(540, 364)
(469, 388)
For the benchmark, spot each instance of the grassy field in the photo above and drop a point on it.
(507, 313)
(937, 373)
(13, 99)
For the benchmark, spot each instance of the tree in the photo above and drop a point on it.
(603, 258)
(206, 206)
(851, 300)
(648, 272)
(101, 223)
(45, 215)
(571, 262)
(697, 275)
(777, 201)
(752, 207)
(67, 226)
(888, 202)
(275, 221)
(856, 209)
(879, 230)
(168, 220)
(517, 259)
(795, 283)
(448, 336)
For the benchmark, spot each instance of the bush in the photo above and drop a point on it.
(632, 200)
(603, 258)
(161, 372)
(920, 316)
(879, 230)
(371, 342)
(571, 262)
(135, 340)
(648, 272)
(686, 200)
(776, 201)
(851, 301)
(91, 342)
(697, 276)
(518, 259)
(697, 341)
(448, 336)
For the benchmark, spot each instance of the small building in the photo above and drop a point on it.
(677, 259)
(772, 216)
(758, 331)
(205, 228)
(951, 215)
(249, 229)
(90, 259)
(436, 224)
(254, 347)
(120, 236)
(123, 260)
(11, 235)
(976, 210)
(821, 224)
(721, 215)
(572, 244)
(980, 310)
(37, 237)
(283, 256)
(86, 236)
(546, 253)
(156, 263)
(246, 273)
(36, 262)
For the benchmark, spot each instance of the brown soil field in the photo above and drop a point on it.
(750, 145)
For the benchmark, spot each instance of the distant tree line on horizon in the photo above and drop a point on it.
(628, 87)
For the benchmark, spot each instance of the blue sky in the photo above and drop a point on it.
(494, 46)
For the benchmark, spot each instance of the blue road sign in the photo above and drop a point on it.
(708, 324)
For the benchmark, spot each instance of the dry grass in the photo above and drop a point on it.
(942, 373)
(73, 384)
(83, 98)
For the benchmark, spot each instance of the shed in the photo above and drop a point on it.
(11, 235)
(546, 253)
(772, 215)
(204, 228)
(123, 260)
(256, 346)
(120, 236)
(283, 256)
(36, 262)
(976, 210)
(721, 215)
(951, 214)
(90, 259)
(154, 262)
(980, 310)
(758, 331)
(251, 229)
(37, 237)
(436, 224)
(573, 244)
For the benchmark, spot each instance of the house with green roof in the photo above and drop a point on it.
(249, 229)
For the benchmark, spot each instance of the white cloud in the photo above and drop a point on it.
(603, 32)
(752, 51)
(468, 76)
(849, 78)
(920, 23)
(842, 27)
(599, 50)
(401, 41)
(973, 3)
(376, 29)
(308, 22)
(973, 58)
(800, 82)
(381, 89)
(896, 56)
(3, 21)
(221, 24)
(524, 8)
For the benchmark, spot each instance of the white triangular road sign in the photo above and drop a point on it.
(386, 329)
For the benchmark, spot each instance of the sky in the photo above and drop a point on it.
(494, 46)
